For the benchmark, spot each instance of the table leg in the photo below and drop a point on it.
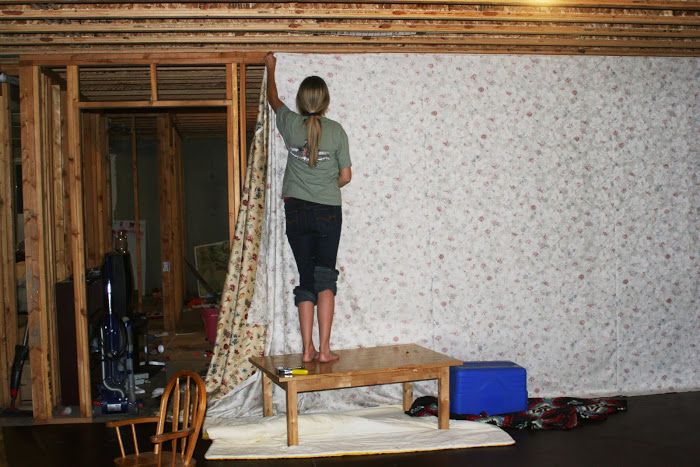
(267, 395)
(292, 422)
(407, 395)
(444, 398)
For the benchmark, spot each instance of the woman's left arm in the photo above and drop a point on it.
(272, 96)
(344, 176)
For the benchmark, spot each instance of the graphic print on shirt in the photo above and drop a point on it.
(302, 154)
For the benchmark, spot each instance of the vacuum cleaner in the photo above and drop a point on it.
(116, 348)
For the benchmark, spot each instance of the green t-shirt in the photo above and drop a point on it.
(316, 184)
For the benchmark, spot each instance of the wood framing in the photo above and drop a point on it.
(98, 220)
(233, 147)
(242, 120)
(605, 27)
(77, 238)
(154, 82)
(178, 216)
(8, 280)
(165, 201)
(171, 221)
(47, 127)
(36, 242)
(60, 190)
(137, 215)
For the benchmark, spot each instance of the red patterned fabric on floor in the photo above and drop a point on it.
(558, 413)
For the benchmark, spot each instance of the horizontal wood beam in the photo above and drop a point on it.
(442, 48)
(646, 4)
(348, 27)
(350, 11)
(158, 56)
(153, 104)
(455, 39)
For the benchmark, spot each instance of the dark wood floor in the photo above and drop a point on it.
(659, 430)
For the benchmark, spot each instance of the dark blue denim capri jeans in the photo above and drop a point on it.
(313, 232)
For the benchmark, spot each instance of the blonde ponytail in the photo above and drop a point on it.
(313, 138)
(312, 101)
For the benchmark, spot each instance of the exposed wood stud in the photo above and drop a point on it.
(242, 123)
(50, 207)
(8, 280)
(171, 223)
(77, 239)
(233, 147)
(137, 215)
(59, 185)
(178, 215)
(154, 82)
(105, 204)
(36, 243)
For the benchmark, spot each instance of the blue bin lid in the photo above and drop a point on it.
(487, 365)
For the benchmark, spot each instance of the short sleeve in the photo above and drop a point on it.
(343, 150)
(283, 118)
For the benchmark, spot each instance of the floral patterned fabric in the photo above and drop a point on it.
(236, 338)
(539, 209)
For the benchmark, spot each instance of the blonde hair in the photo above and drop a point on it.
(312, 101)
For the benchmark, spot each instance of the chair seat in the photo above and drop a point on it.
(148, 459)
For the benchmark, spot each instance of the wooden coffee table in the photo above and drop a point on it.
(358, 367)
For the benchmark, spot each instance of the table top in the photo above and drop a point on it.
(359, 361)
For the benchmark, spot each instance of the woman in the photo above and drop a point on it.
(318, 165)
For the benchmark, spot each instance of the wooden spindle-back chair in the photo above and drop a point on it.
(182, 408)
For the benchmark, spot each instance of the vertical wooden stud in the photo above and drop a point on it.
(8, 280)
(102, 188)
(137, 215)
(59, 187)
(96, 188)
(47, 167)
(178, 223)
(35, 240)
(64, 174)
(77, 239)
(154, 82)
(166, 226)
(233, 147)
(89, 184)
(242, 96)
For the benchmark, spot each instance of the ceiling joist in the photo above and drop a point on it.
(633, 27)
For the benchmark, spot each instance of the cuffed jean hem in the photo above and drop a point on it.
(325, 279)
(303, 295)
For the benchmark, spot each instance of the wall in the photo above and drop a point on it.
(543, 210)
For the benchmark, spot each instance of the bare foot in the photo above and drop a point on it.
(309, 356)
(327, 357)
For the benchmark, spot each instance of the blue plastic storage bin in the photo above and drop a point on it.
(488, 387)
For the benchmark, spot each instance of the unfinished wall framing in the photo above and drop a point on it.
(44, 192)
(67, 205)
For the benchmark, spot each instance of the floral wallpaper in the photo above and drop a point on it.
(539, 209)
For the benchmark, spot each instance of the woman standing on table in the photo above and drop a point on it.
(318, 165)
